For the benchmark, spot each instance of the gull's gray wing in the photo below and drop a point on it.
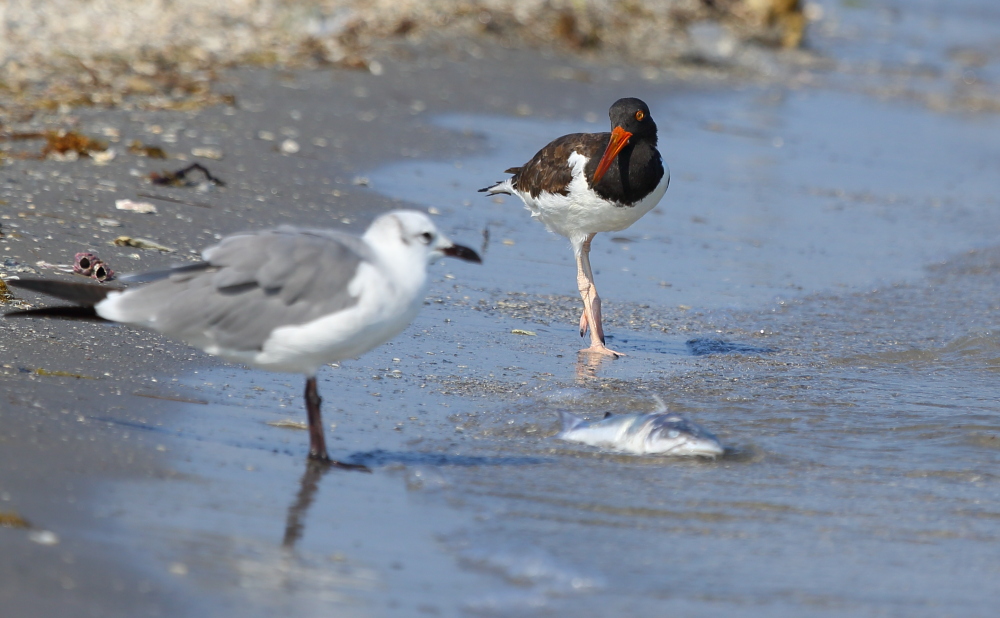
(248, 285)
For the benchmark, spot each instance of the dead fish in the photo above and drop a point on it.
(653, 433)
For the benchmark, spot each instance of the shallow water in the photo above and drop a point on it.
(773, 193)
(819, 288)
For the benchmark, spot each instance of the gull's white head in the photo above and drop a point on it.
(413, 233)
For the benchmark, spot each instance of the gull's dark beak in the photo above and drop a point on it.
(462, 253)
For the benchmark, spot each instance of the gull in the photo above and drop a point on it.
(287, 299)
(585, 183)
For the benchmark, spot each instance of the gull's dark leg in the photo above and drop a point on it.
(317, 441)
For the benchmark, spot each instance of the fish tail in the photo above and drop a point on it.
(569, 422)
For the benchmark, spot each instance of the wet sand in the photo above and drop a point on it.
(817, 288)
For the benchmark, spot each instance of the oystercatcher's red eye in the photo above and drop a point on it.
(639, 115)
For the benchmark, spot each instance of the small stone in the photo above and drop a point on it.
(43, 537)
(207, 152)
(289, 146)
(103, 157)
(140, 207)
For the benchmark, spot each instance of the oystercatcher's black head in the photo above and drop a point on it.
(630, 122)
(632, 116)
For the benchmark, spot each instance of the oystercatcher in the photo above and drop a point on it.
(288, 299)
(585, 183)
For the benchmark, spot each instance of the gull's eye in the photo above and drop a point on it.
(427, 237)
(639, 115)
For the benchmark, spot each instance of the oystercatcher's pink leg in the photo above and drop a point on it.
(591, 302)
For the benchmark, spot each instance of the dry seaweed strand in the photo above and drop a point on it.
(12, 519)
(58, 142)
(179, 177)
(61, 142)
(5, 295)
(153, 152)
(141, 243)
(17, 137)
(56, 373)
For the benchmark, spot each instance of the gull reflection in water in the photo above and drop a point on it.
(308, 485)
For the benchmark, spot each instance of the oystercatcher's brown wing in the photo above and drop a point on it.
(549, 170)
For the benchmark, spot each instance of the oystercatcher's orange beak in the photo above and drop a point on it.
(619, 139)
